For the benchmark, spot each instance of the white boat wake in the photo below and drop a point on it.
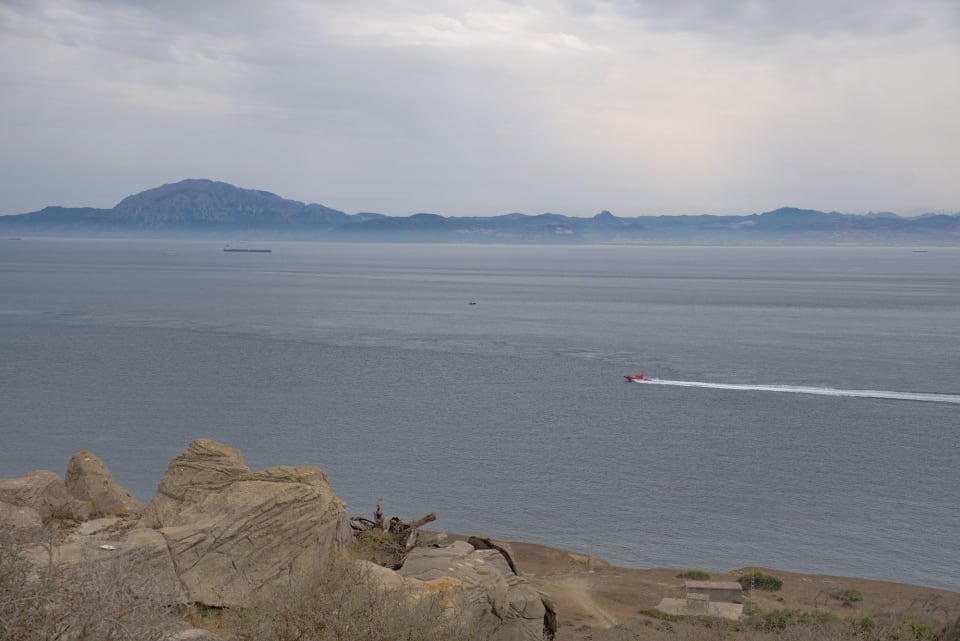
(820, 391)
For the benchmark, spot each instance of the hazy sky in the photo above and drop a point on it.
(481, 108)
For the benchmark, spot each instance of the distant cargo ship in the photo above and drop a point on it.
(244, 249)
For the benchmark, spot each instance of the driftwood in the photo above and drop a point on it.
(361, 524)
(387, 541)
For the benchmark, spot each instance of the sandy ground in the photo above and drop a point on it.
(593, 596)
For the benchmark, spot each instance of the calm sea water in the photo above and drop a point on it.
(510, 416)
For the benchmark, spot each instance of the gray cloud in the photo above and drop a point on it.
(444, 105)
(772, 19)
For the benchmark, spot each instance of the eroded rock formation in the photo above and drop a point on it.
(485, 582)
(219, 534)
(88, 480)
(44, 493)
(232, 532)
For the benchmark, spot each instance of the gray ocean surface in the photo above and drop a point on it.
(511, 416)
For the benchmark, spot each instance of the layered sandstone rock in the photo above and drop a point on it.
(19, 517)
(476, 584)
(141, 556)
(44, 492)
(232, 532)
(219, 534)
(88, 480)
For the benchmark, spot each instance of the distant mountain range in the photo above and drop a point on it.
(207, 209)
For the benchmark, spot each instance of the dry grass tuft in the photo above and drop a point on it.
(781, 626)
(346, 604)
(89, 601)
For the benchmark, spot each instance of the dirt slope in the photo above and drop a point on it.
(598, 601)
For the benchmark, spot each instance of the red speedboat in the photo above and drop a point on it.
(637, 378)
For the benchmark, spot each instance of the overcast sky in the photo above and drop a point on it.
(481, 108)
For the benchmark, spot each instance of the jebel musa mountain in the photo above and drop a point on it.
(207, 209)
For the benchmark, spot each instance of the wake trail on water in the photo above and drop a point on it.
(819, 391)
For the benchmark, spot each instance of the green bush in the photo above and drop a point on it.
(694, 575)
(760, 581)
(780, 620)
(864, 623)
(919, 630)
(847, 595)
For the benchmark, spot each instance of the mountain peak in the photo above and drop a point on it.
(205, 197)
(200, 207)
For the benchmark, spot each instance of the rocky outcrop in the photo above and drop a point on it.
(476, 584)
(232, 532)
(44, 492)
(148, 568)
(19, 517)
(216, 533)
(219, 534)
(89, 490)
(88, 480)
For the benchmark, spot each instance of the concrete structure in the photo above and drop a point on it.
(707, 598)
(714, 591)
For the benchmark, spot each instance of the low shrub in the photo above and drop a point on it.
(864, 623)
(919, 630)
(379, 546)
(848, 596)
(885, 627)
(795, 625)
(760, 581)
(694, 575)
(92, 600)
(780, 620)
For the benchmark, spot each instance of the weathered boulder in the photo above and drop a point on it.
(19, 517)
(141, 557)
(480, 583)
(44, 492)
(232, 532)
(88, 480)
(218, 534)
